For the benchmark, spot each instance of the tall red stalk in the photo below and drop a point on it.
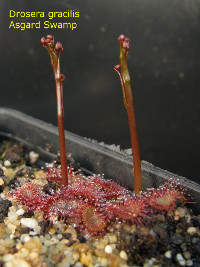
(55, 51)
(128, 103)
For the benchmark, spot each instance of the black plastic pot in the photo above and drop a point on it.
(93, 158)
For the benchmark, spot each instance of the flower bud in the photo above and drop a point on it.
(58, 46)
(62, 77)
(43, 41)
(127, 40)
(117, 67)
(125, 45)
(48, 41)
(121, 38)
(50, 37)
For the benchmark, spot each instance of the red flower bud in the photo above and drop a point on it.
(127, 40)
(117, 67)
(121, 38)
(58, 46)
(50, 37)
(62, 77)
(43, 41)
(48, 41)
(125, 45)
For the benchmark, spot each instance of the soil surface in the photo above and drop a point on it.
(31, 237)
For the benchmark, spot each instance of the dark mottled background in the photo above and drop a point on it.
(164, 64)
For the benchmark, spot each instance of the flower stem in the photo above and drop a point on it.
(55, 51)
(128, 103)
